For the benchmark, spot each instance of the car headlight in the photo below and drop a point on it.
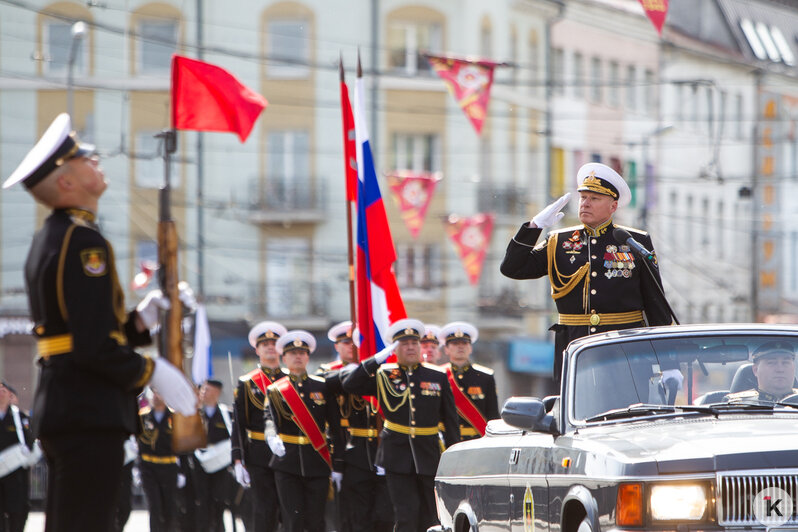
(687, 502)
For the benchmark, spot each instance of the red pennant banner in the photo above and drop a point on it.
(656, 10)
(469, 82)
(413, 192)
(471, 237)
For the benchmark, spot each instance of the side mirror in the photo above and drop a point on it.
(527, 413)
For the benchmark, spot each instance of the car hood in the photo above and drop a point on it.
(692, 445)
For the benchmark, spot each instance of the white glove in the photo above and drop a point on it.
(276, 445)
(181, 481)
(242, 476)
(551, 214)
(173, 387)
(380, 471)
(383, 355)
(669, 375)
(187, 297)
(149, 308)
(131, 450)
(136, 474)
(337, 478)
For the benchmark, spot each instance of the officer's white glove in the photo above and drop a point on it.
(276, 445)
(242, 476)
(150, 307)
(671, 375)
(187, 297)
(337, 478)
(551, 214)
(383, 355)
(173, 387)
(136, 474)
(380, 471)
(35, 455)
(131, 450)
(181, 481)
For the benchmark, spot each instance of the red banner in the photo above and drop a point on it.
(469, 82)
(413, 193)
(471, 236)
(656, 10)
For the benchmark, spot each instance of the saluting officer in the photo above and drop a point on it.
(301, 408)
(414, 397)
(90, 375)
(158, 464)
(596, 281)
(473, 385)
(430, 345)
(363, 492)
(251, 455)
(774, 369)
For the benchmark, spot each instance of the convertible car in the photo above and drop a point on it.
(643, 436)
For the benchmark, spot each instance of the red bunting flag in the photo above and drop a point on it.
(350, 146)
(656, 10)
(469, 82)
(471, 237)
(413, 193)
(208, 98)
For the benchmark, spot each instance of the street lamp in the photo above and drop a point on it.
(78, 31)
(644, 143)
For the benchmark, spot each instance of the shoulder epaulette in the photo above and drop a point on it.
(483, 369)
(317, 378)
(388, 366)
(570, 229)
(144, 411)
(442, 369)
(632, 229)
(248, 376)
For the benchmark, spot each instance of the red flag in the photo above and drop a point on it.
(350, 148)
(208, 98)
(471, 236)
(656, 10)
(469, 82)
(413, 192)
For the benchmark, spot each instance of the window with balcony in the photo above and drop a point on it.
(408, 41)
(631, 88)
(418, 266)
(57, 37)
(288, 277)
(614, 98)
(416, 152)
(288, 48)
(579, 75)
(157, 42)
(558, 70)
(288, 183)
(596, 80)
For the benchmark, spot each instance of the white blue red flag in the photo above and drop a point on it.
(379, 302)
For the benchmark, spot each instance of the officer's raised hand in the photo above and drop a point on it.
(383, 355)
(551, 214)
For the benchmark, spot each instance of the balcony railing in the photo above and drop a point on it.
(278, 202)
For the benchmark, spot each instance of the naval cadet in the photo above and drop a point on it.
(302, 415)
(16, 444)
(473, 385)
(774, 369)
(158, 464)
(415, 398)
(597, 283)
(85, 404)
(250, 453)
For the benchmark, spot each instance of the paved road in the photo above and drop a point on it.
(139, 522)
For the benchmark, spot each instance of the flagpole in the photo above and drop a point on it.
(347, 203)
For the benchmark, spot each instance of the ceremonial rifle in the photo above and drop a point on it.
(188, 432)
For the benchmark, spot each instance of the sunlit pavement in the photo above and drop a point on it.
(139, 522)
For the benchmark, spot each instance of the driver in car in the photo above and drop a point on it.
(774, 369)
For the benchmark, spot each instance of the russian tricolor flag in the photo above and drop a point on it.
(379, 302)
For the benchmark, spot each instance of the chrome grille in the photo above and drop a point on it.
(736, 491)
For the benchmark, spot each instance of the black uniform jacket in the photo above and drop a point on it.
(248, 406)
(360, 424)
(77, 304)
(155, 439)
(478, 384)
(417, 396)
(612, 278)
(303, 459)
(217, 430)
(8, 430)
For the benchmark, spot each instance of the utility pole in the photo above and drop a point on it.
(200, 174)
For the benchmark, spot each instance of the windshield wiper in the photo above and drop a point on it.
(649, 409)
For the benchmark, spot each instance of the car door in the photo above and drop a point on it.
(529, 498)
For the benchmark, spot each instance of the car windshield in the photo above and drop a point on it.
(705, 369)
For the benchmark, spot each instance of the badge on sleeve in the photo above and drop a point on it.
(94, 262)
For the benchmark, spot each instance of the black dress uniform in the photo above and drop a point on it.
(249, 445)
(213, 489)
(158, 466)
(414, 400)
(85, 404)
(478, 384)
(366, 503)
(597, 282)
(301, 474)
(14, 504)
